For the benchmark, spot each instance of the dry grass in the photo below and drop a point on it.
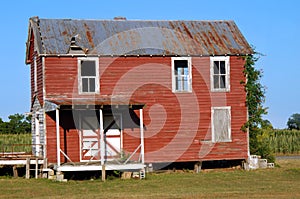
(280, 182)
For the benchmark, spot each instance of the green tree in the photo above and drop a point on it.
(254, 101)
(267, 125)
(294, 121)
(17, 124)
(3, 127)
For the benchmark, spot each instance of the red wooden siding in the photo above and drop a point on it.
(178, 125)
(40, 84)
(32, 81)
(30, 58)
(32, 53)
(164, 142)
(61, 77)
(69, 138)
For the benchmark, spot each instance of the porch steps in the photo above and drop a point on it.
(256, 162)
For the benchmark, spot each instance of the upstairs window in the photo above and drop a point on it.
(221, 124)
(88, 75)
(220, 73)
(181, 74)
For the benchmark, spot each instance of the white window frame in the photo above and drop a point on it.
(227, 77)
(97, 79)
(189, 59)
(228, 108)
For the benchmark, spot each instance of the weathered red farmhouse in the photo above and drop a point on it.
(133, 92)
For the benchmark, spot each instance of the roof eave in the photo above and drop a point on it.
(148, 55)
(28, 44)
(33, 29)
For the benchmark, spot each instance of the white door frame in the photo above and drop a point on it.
(119, 115)
(99, 140)
(81, 142)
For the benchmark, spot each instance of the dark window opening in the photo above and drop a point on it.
(88, 76)
(219, 75)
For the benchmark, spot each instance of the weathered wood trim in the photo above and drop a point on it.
(57, 137)
(142, 136)
(97, 81)
(228, 108)
(227, 68)
(190, 83)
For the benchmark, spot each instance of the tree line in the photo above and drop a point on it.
(17, 124)
(294, 122)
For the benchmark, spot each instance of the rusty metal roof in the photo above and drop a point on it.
(138, 37)
(99, 101)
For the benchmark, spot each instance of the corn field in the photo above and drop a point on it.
(279, 141)
(284, 141)
(15, 143)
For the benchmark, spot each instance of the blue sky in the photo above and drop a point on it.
(273, 27)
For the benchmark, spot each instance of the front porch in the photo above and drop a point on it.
(100, 127)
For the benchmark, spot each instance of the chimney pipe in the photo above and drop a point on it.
(120, 18)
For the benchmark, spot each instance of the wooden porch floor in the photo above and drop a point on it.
(19, 158)
(96, 166)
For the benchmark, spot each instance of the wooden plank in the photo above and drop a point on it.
(15, 171)
(103, 173)
(36, 168)
(27, 174)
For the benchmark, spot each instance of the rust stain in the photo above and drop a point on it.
(238, 38)
(172, 25)
(89, 35)
(187, 30)
(90, 39)
(206, 39)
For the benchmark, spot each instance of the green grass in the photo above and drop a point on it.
(280, 182)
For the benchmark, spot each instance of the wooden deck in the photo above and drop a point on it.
(20, 158)
(96, 166)
(39, 165)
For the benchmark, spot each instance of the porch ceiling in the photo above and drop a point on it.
(94, 103)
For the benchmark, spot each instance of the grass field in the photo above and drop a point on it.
(280, 182)
(15, 142)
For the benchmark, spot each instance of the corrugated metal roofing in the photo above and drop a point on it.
(99, 101)
(136, 37)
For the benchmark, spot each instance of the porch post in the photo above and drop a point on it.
(142, 136)
(102, 148)
(57, 138)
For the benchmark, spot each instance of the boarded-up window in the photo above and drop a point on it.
(181, 74)
(88, 76)
(221, 124)
(220, 74)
